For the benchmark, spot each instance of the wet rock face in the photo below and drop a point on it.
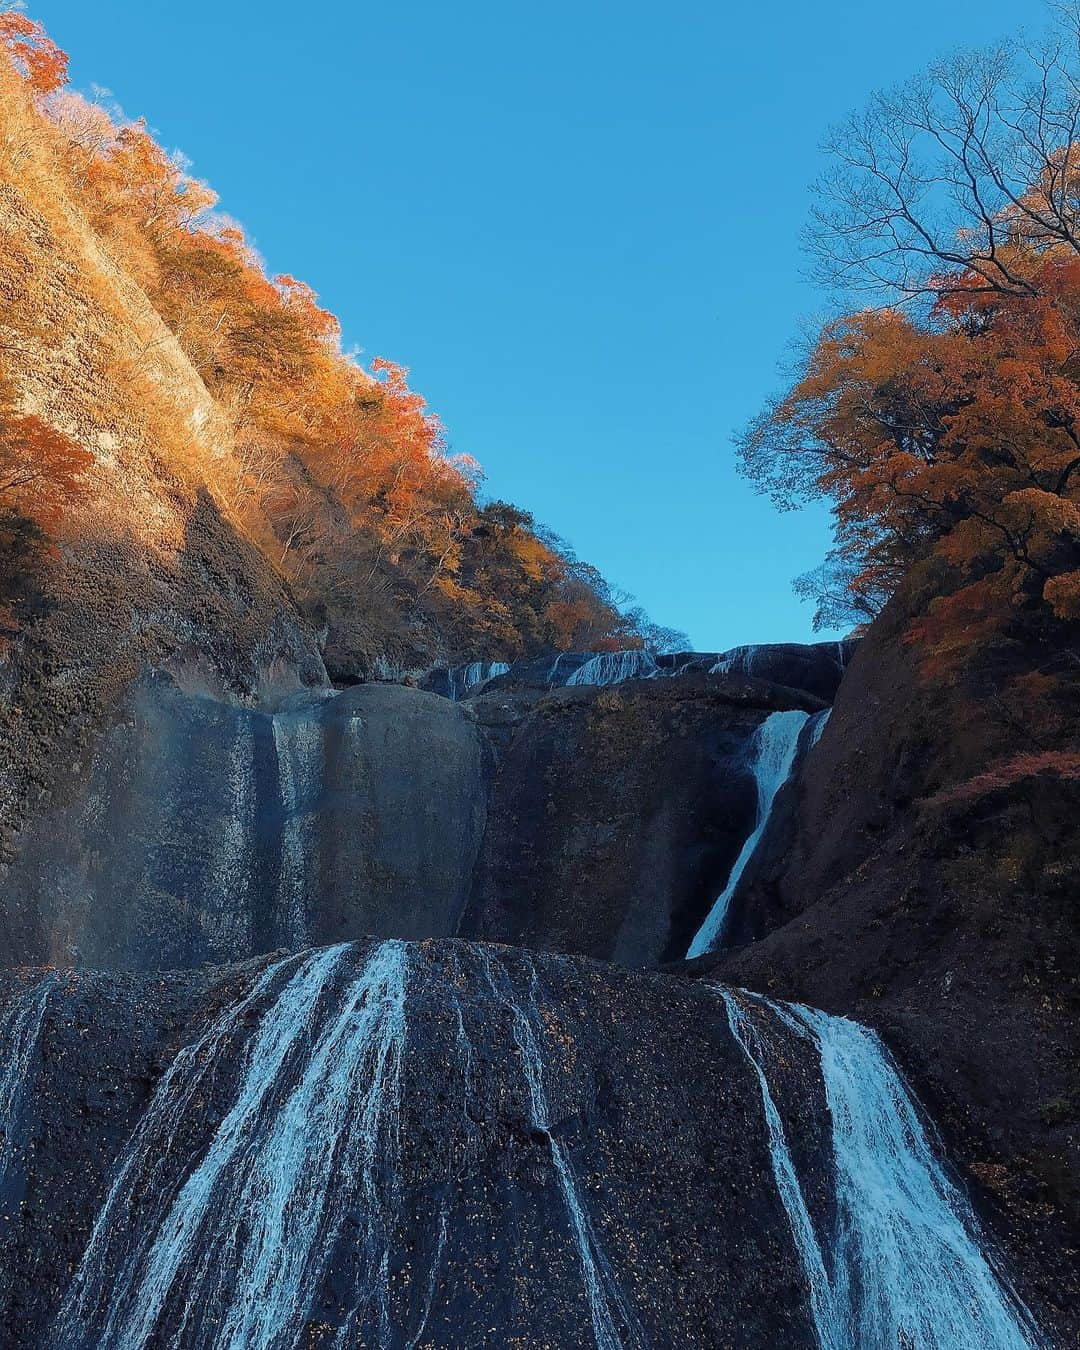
(951, 929)
(616, 814)
(814, 668)
(81, 1054)
(538, 1168)
(204, 830)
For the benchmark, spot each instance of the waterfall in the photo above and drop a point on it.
(613, 1322)
(232, 1253)
(463, 679)
(901, 1219)
(298, 743)
(818, 723)
(231, 879)
(553, 673)
(827, 1320)
(20, 1030)
(772, 753)
(908, 1260)
(614, 667)
(273, 1144)
(737, 661)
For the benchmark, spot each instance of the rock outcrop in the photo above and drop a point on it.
(204, 830)
(616, 813)
(815, 668)
(902, 884)
(450, 1144)
(598, 820)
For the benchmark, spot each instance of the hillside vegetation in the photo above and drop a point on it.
(192, 471)
(942, 422)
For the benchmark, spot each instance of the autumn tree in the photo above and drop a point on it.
(42, 473)
(37, 58)
(343, 475)
(946, 423)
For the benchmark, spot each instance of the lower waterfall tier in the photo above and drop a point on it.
(406, 1145)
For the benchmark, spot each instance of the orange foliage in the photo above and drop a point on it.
(1006, 773)
(37, 58)
(41, 469)
(342, 473)
(958, 436)
(1062, 593)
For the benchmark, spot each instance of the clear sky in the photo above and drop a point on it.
(577, 222)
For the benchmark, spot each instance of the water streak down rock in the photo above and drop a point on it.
(904, 1260)
(207, 831)
(772, 754)
(397, 1145)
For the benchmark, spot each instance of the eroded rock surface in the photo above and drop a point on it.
(617, 812)
(540, 1169)
(206, 830)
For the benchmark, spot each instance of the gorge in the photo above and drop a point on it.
(411, 1139)
(406, 942)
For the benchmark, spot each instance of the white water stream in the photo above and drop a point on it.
(615, 667)
(905, 1263)
(772, 753)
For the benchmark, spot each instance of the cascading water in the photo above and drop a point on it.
(298, 742)
(827, 1321)
(20, 1030)
(222, 1222)
(772, 754)
(463, 679)
(231, 1253)
(232, 878)
(267, 1199)
(817, 724)
(906, 1263)
(737, 661)
(615, 667)
(613, 1322)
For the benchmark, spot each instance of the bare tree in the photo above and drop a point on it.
(843, 591)
(955, 174)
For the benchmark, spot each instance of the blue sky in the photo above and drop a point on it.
(577, 222)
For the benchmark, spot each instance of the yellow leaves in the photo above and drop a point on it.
(535, 559)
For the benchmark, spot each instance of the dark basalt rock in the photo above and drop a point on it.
(204, 830)
(589, 819)
(814, 668)
(647, 1102)
(949, 922)
(616, 813)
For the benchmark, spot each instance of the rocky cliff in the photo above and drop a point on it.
(153, 567)
(450, 1144)
(600, 819)
(920, 874)
(206, 830)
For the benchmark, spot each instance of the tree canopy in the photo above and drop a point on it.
(339, 470)
(943, 422)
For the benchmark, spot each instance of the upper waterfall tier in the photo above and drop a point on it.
(816, 668)
(587, 818)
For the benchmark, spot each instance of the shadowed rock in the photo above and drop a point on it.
(204, 830)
